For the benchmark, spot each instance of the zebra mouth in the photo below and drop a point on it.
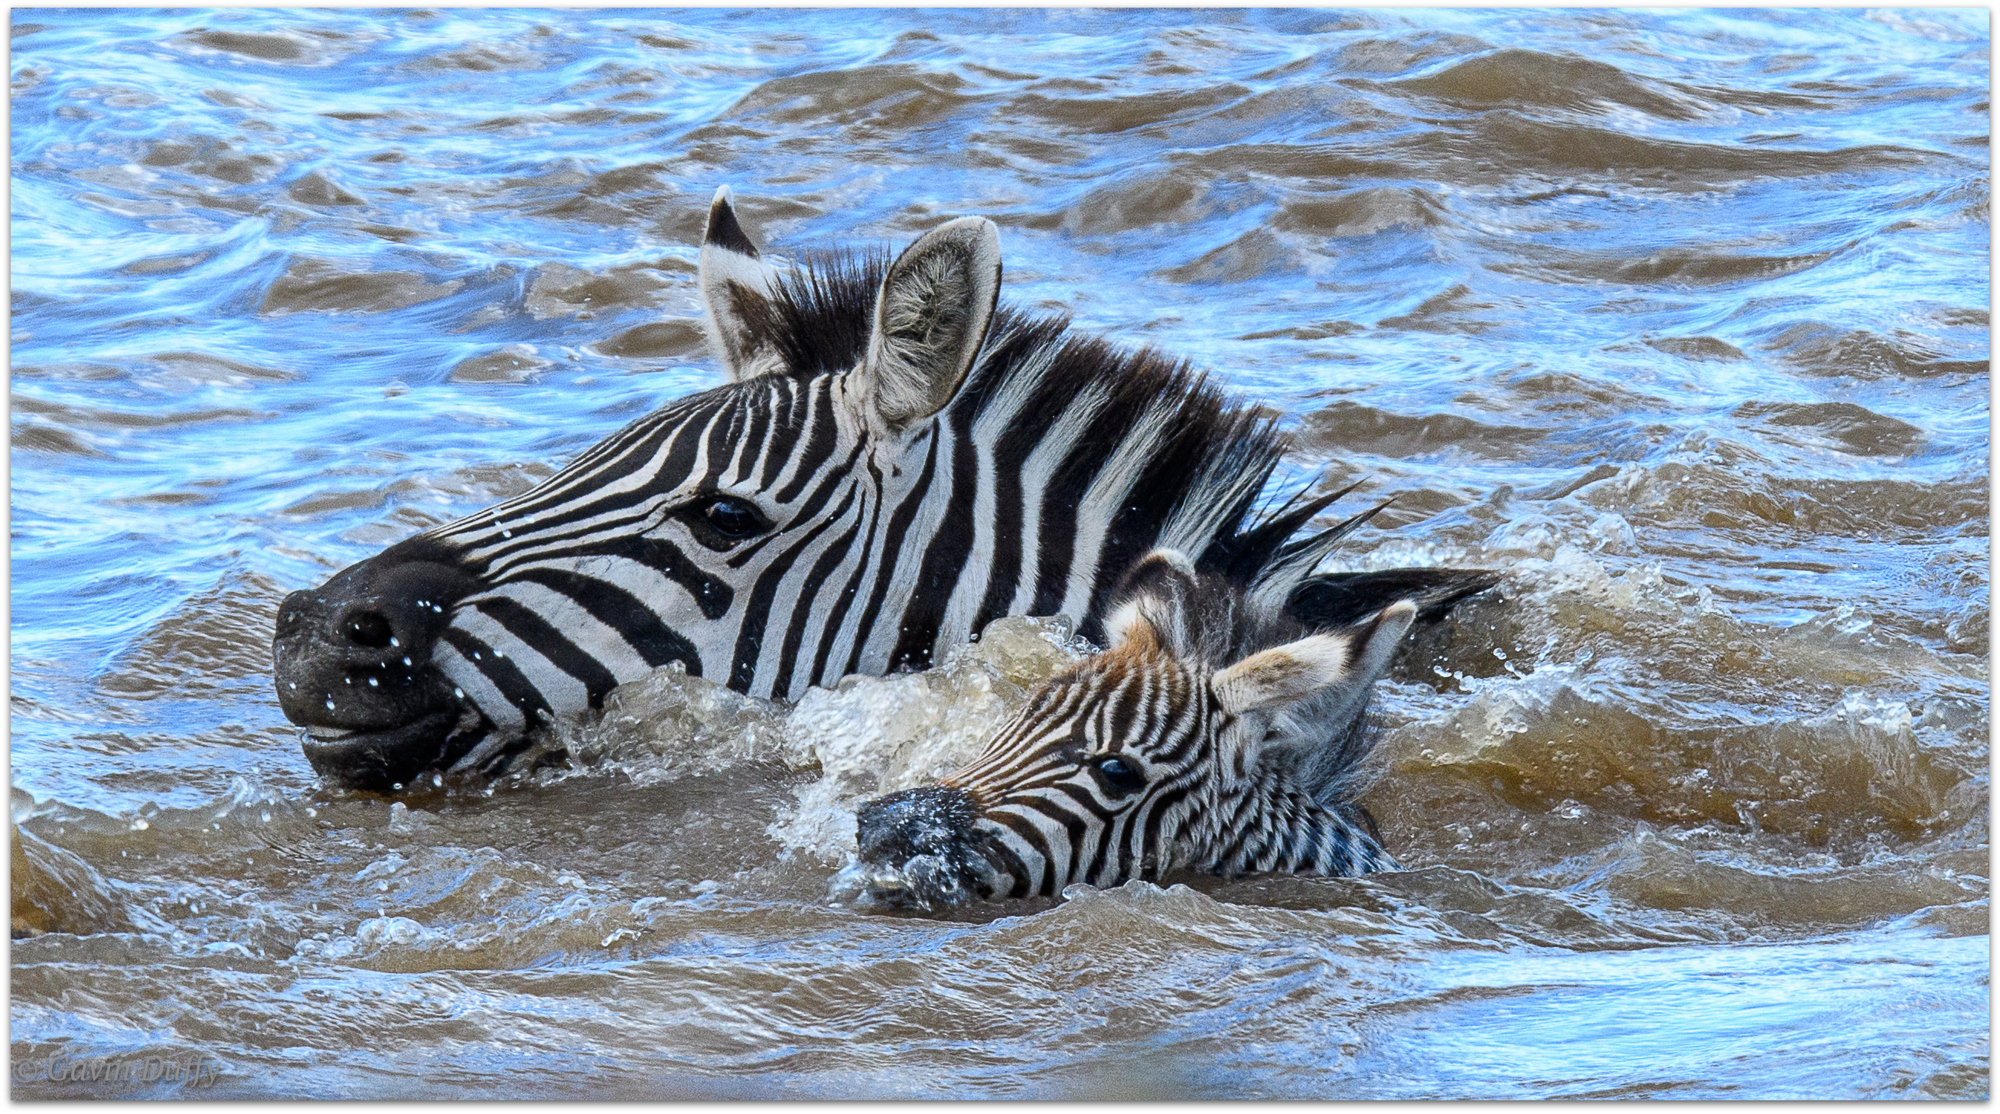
(919, 850)
(924, 884)
(388, 759)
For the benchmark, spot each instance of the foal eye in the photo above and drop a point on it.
(729, 517)
(1118, 774)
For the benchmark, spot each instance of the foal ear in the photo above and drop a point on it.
(930, 317)
(737, 284)
(1152, 595)
(1128, 629)
(1282, 676)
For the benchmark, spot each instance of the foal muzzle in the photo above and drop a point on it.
(920, 850)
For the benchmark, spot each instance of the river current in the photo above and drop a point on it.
(1677, 319)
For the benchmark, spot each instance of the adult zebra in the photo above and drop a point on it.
(896, 460)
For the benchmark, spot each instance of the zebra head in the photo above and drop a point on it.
(694, 535)
(894, 462)
(1215, 734)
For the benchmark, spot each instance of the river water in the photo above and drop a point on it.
(1678, 319)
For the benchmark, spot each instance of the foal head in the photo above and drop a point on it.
(1214, 734)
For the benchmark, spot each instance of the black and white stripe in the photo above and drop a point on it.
(1049, 459)
(1216, 735)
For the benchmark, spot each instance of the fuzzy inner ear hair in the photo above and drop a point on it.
(930, 319)
(737, 286)
(1349, 660)
(1284, 675)
(1379, 638)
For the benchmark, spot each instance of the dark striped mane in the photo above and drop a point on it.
(820, 312)
(821, 309)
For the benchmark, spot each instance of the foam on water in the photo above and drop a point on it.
(863, 737)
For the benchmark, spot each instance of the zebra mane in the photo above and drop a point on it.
(823, 308)
(1205, 464)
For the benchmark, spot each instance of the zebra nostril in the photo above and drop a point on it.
(368, 629)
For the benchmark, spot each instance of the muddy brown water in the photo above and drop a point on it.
(1678, 319)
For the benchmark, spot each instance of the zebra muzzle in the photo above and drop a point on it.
(385, 761)
(920, 850)
(352, 667)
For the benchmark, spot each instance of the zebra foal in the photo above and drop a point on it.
(1217, 734)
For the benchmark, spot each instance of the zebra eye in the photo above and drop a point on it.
(1118, 774)
(733, 519)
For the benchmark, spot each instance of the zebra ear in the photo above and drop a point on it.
(1128, 629)
(1277, 678)
(1161, 571)
(930, 318)
(1152, 614)
(737, 284)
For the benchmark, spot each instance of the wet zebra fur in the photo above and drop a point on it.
(896, 460)
(1218, 734)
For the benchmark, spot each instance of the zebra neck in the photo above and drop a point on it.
(1281, 829)
(1009, 520)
